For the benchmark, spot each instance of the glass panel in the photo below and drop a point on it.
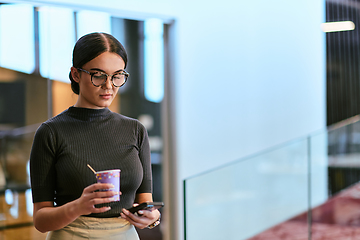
(319, 168)
(17, 25)
(92, 21)
(57, 39)
(154, 60)
(274, 192)
(335, 215)
(254, 195)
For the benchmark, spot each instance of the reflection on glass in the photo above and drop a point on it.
(92, 21)
(253, 195)
(56, 39)
(17, 39)
(154, 60)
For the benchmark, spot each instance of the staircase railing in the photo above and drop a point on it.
(292, 189)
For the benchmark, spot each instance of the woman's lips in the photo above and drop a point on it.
(106, 96)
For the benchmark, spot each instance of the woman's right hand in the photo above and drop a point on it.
(90, 197)
(49, 218)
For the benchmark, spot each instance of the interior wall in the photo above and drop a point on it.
(248, 79)
(62, 97)
(35, 95)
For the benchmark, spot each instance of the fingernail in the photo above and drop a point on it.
(140, 212)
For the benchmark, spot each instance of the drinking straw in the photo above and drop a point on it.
(91, 169)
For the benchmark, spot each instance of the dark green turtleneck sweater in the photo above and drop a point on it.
(65, 144)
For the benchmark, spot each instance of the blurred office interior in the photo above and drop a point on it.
(251, 108)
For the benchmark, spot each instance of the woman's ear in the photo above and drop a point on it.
(75, 74)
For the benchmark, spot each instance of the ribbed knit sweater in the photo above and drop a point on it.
(66, 143)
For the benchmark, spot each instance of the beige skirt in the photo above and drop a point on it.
(95, 228)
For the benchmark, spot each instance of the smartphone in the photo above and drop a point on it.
(146, 206)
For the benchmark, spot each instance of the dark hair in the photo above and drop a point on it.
(89, 47)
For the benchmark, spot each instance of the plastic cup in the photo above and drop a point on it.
(110, 176)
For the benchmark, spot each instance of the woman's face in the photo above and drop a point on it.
(98, 97)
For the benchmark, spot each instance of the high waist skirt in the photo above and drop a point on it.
(95, 228)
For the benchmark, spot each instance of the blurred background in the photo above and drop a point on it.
(251, 108)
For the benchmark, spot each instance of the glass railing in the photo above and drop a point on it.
(304, 189)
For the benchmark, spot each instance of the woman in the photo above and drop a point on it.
(67, 200)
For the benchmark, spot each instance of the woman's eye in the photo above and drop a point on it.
(98, 75)
(118, 76)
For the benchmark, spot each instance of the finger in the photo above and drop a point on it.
(98, 186)
(100, 210)
(131, 216)
(102, 194)
(147, 211)
(140, 220)
(96, 201)
(99, 195)
(143, 213)
(137, 224)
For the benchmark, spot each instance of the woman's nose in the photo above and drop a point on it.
(108, 83)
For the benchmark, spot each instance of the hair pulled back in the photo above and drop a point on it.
(89, 47)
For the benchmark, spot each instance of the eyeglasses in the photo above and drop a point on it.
(99, 78)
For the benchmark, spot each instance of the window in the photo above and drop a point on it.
(17, 48)
(154, 60)
(56, 40)
(91, 21)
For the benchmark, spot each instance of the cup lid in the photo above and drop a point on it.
(110, 170)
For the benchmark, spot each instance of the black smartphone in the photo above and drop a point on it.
(145, 206)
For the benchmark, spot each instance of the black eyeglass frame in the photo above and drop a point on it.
(107, 76)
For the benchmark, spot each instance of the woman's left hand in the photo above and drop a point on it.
(144, 219)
